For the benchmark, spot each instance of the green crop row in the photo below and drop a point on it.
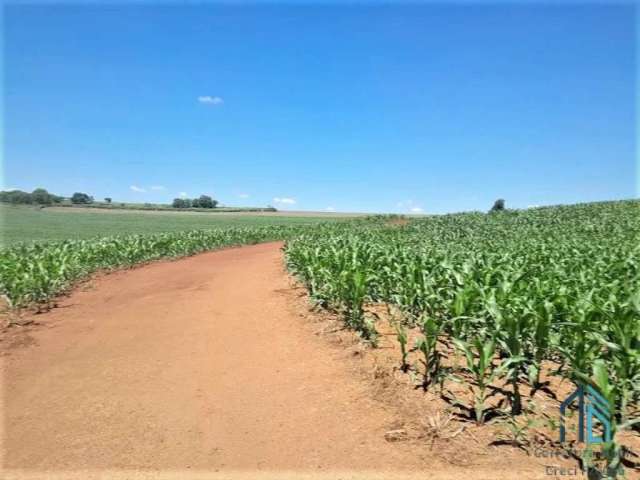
(509, 290)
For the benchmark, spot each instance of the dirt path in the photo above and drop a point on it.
(198, 364)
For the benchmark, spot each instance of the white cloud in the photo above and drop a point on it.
(533, 206)
(183, 194)
(157, 188)
(243, 195)
(285, 200)
(410, 206)
(135, 188)
(209, 100)
(330, 209)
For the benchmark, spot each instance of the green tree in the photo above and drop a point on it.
(15, 197)
(205, 201)
(498, 205)
(41, 197)
(81, 198)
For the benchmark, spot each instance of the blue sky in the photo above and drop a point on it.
(432, 107)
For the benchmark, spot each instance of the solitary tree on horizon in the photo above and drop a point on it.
(498, 205)
(79, 197)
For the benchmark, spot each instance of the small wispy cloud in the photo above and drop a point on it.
(285, 200)
(533, 206)
(243, 195)
(157, 188)
(209, 100)
(330, 209)
(135, 188)
(183, 194)
(410, 206)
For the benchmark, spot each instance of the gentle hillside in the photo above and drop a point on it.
(28, 224)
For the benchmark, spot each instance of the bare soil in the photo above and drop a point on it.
(214, 367)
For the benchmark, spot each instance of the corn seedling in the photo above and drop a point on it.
(478, 355)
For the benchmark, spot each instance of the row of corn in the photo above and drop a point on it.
(509, 291)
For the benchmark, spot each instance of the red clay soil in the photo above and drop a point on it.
(198, 366)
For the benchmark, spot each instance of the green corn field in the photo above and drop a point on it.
(554, 284)
(510, 291)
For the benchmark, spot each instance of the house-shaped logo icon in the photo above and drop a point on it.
(591, 405)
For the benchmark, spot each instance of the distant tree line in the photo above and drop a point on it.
(41, 196)
(204, 201)
(38, 197)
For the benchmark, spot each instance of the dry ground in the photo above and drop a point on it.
(214, 367)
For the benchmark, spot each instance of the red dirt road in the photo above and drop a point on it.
(200, 364)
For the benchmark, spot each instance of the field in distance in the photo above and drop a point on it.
(28, 224)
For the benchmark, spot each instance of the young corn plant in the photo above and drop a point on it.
(578, 347)
(612, 450)
(428, 345)
(623, 355)
(479, 355)
(401, 335)
(541, 341)
(356, 292)
(511, 331)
